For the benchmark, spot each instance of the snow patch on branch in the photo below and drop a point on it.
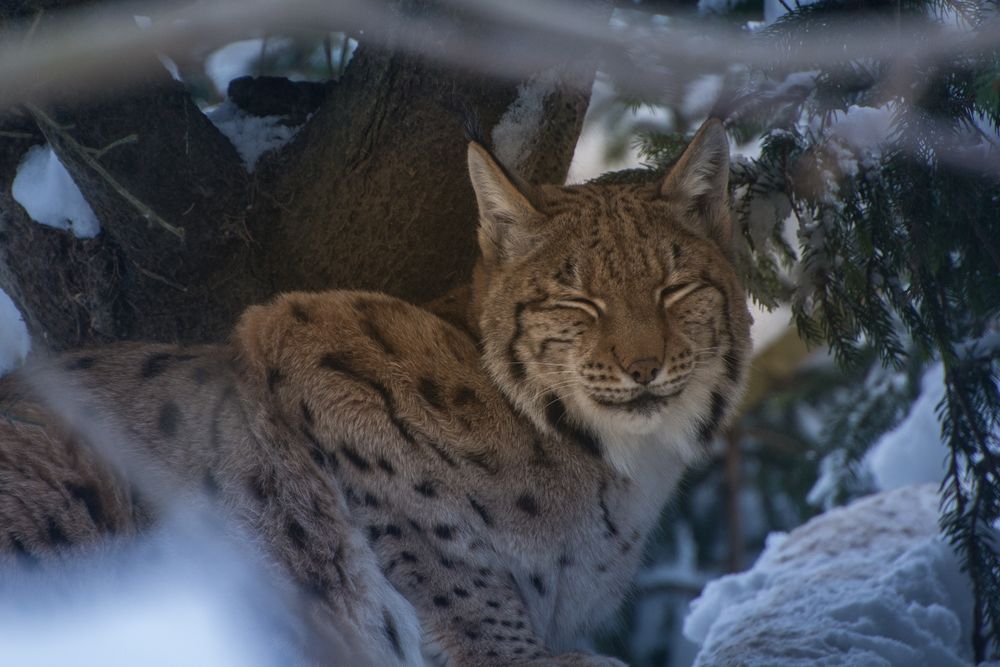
(47, 192)
(869, 584)
(517, 133)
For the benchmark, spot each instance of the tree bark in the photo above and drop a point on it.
(372, 193)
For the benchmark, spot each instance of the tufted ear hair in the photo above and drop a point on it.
(506, 213)
(699, 182)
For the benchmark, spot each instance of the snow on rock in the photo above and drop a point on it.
(47, 192)
(870, 585)
(14, 341)
(252, 136)
(913, 452)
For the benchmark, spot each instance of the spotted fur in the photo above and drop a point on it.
(470, 487)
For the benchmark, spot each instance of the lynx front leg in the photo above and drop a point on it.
(350, 605)
(470, 615)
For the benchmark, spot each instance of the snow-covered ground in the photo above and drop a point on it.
(186, 594)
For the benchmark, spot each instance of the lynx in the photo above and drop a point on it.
(473, 489)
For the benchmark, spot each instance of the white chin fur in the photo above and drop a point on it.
(634, 443)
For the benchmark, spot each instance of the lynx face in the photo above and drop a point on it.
(614, 310)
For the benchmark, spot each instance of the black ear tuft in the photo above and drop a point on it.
(469, 119)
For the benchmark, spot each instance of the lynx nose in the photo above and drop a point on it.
(643, 371)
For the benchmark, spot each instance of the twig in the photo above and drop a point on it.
(16, 135)
(160, 279)
(98, 153)
(85, 154)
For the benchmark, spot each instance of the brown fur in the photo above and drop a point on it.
(499, 494)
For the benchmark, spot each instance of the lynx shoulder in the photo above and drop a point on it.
(471, 489)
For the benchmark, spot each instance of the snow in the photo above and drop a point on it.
(232, 61)
(871, 584)
(516, 133)
(179, 596)
(914, 451)
(252, 136)
(701, 95)
(14, 341)
(864, 130)
(47, 192)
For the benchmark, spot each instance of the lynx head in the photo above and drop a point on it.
(613, 313)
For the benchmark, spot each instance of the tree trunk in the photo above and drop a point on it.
(372, 193)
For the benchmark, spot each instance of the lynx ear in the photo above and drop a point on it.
(505, 211)
(699, 181)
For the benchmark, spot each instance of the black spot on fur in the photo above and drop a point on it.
(408, 557)
(479, 583)
(323, 457)
(708, 427)
(447, 563)
(733, 360)
(307, 415)
(386, 466)
(460, 592)
(443, 531)
(355, 459)
(539, 455)
(24, 557)
(340, 363)
(426, 489)
(392, 530)
(215, 439)
(610, 529)
(210, 484)
(555, 415)
(91, 501)
(296, 533)
(56, 535)
(464, 396)
(392, 634)
(274, 376)
(79, 364)
(430, 391)
(169, 419)
(538, 584)
(300, 313)
(527, 504)
(481, 511)
(261, 486)
(373, 332)
(492, 604)
(374, 532)
(441, 601)
(155, 364)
